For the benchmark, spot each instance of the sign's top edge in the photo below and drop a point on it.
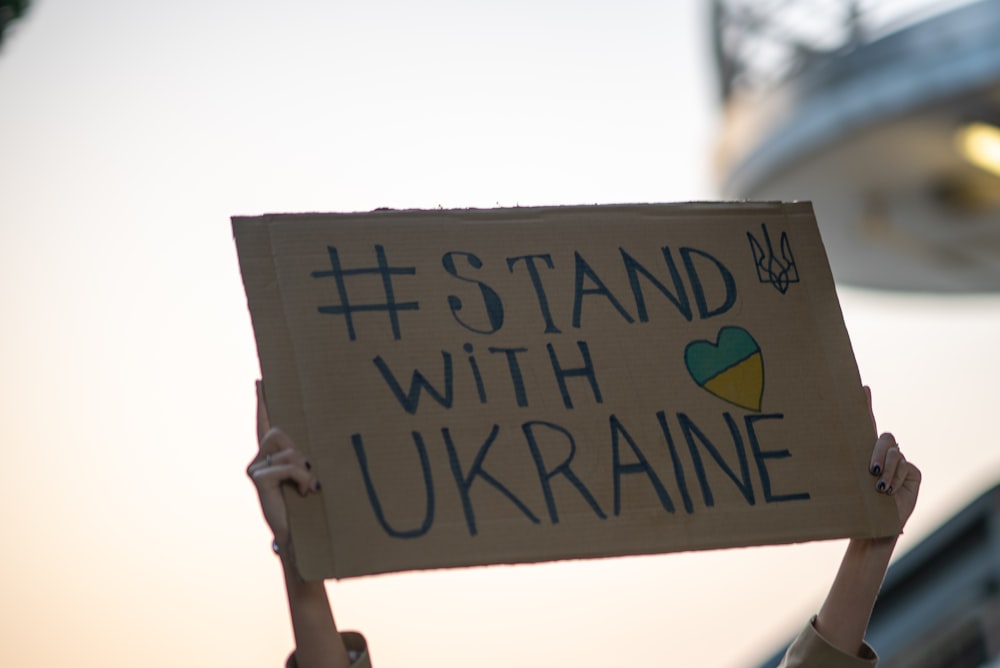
(702, 207)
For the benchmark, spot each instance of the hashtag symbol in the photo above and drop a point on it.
(348, 309)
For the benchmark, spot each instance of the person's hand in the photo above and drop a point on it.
(843, 618)
(276, 464)
(893, 474)
(279, 464)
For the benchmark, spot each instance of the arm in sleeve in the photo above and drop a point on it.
(812, 650)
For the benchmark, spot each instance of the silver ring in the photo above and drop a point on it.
(267, 460)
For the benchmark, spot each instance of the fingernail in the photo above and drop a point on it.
(889, 491)
(309, 466)
(876, 469)
(880, 486)
(317, 486)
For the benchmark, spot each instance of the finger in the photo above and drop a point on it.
(903, 472)
(273, 442)
(279, 457)
(882, 446)
(913, 477)
(277, 474)
(894, 461)
(276, 440)
(263, 420)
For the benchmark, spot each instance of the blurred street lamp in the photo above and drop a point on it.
(980, 144)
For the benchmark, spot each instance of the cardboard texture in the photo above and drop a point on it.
(530, 384)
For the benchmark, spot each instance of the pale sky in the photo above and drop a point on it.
(131, 130)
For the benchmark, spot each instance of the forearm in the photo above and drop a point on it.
(317, 642)
(843, 619)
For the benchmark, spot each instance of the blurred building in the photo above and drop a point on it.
(886, 114)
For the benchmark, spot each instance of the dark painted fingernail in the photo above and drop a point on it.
(309, 466)
(876, 469)
(889, 490)
(317, 486)
(880, 486)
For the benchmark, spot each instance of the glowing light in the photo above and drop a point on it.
(980, 145)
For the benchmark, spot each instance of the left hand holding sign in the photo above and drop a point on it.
(276, 463)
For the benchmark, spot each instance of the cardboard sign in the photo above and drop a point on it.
(519, 385)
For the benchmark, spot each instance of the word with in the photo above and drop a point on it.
(409, 399)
